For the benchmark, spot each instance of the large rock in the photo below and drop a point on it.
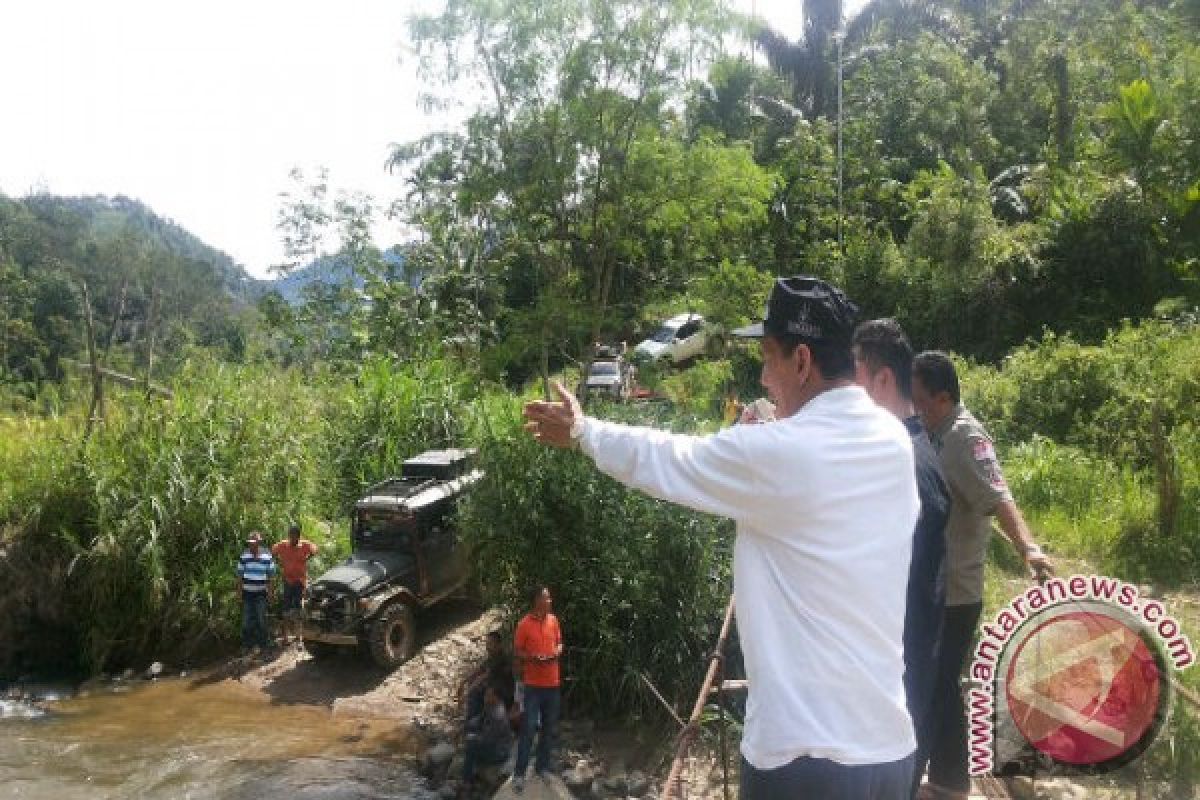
(579, 780)
(550, 787)
(1021, 788)
(1060, 789)
(437, 759)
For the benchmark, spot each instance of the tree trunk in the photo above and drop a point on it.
(151, 333)
(1063, 118)
(96, 406)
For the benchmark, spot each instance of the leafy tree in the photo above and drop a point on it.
(550, 192)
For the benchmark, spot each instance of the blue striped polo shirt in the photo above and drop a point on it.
(255, 571)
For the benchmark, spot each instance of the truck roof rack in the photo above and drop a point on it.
(398, 487)
(440, 464)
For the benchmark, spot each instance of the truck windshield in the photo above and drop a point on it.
(665, 334)
(604, 368)
(384, 530)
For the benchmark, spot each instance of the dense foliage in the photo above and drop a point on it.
(1106, 443)
(639, 584)
(152, 289)
(121, 550)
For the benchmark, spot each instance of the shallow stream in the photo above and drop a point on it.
(199, 740)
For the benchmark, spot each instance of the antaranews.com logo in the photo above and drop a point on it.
(1077, 671)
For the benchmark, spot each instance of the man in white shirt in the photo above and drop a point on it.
(825, 502)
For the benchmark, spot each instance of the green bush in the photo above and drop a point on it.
(639, 584)
(138, 529)
(1102, 441)
(390, 413)
(1075, 497)
(702, 389)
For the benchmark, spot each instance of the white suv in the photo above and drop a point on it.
(678, 339)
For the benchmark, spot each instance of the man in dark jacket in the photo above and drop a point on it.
(883, 366)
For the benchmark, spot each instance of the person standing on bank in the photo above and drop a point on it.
(537, 645)
(254, 570)
(978, 492)
(883, 366)
(293, 555)
(825, 502)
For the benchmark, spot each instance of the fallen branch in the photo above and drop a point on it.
(121, 378)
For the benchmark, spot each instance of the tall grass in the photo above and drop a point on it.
(122, 550)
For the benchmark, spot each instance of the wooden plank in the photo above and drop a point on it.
(120, 378)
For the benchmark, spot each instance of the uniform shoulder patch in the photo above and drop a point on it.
(985, 457)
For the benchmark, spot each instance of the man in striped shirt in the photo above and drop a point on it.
(254, 570)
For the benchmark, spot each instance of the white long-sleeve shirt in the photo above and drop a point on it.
(825, 503)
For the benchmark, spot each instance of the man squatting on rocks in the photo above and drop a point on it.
(825, 503)
(978, 492)
(883, 366)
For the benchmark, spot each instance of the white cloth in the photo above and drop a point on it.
(825, 503)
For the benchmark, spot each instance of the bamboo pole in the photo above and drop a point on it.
(689, 732)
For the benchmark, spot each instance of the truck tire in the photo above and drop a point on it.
(392, 636)
(320, 650)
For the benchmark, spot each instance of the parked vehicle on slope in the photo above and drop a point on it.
(678, 339)
(610, 375)
(407, 556)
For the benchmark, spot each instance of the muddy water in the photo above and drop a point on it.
(198, 741)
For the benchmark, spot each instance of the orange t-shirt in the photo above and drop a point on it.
(539, 637)
(294, 560)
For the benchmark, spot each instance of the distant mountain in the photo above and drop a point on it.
(150, 283)
(336, 270)
(109, 216)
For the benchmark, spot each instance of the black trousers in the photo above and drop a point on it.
(828, 780)
(947, 755)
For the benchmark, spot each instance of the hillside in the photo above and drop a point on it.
(109, 217)
(153, 288)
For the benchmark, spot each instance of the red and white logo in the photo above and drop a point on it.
(1084, 686)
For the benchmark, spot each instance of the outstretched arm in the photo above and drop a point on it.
(710, 473)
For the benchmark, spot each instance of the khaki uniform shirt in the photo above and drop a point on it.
(977, 486)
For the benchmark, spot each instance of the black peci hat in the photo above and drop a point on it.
(807, 307)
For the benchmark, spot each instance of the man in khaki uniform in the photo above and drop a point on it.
(978, 492)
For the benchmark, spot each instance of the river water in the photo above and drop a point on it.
(197, 740)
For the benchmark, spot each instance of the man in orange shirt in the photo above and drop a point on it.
(538, 646)
(293, 555)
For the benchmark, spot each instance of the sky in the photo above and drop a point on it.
(201, 110)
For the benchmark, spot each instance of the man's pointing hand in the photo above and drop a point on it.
(551, 423)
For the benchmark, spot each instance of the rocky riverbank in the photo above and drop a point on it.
(599, 761)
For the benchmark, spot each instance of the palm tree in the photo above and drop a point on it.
(810, 63)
